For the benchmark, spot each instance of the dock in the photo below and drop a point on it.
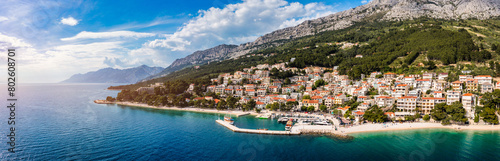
(103, 102)
(253, 131)
(242, 114)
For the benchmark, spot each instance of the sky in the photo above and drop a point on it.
(55, 39)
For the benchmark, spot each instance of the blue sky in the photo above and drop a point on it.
(56, 39)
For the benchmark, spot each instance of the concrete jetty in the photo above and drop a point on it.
(253, 131)
(242, 114)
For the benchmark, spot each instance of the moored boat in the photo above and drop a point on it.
(264, 116)
(289, 125)
(229, 120)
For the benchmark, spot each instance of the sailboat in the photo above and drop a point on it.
(229, 120)
(289, 125)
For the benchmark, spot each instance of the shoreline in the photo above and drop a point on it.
(374, 128)
(358, 129)
(189, 109)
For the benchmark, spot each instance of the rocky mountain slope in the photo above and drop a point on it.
(217, 53)
(110, 75)
(391, 10)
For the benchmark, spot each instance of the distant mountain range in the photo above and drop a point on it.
(110, 75)
(376, 10)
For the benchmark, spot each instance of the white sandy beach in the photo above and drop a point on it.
(412, 126)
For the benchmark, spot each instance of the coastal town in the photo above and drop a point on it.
(321, 90)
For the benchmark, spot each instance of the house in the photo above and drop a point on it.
(438, 94)
(358, 56)
(339, 99)
(384, 101)
(497, 85)
(443, 76)
(261, 92)
(228, 91)
(363, 107)
(260, 105)
(191, 87)
(250, 92)
(149, 90)
(273, 89)
(428, 103)
(330, 101)
(401, 90)
(249, 86)
(452, 96)
(238, 92)
(390, 115)
(483, 79)
(389, 76)
(410, 81)
(440, 85)
(471, 85)
(428, 76)
(358, 115)
(344, 109)
(319, 98)
(374, 74)
(407, 104)
(463, 78)
(423, 84)
(457, 85)
(362, 98)
(486, 87)
(308, 102)
(286, 90)
(468, 102)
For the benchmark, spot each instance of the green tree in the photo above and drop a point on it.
(432, 65)
(438, 113)
(110, 99)
(426, 118)
(303, 108)
(221, 105)
(322, 108)
(306, 97)
(251, 104)
(375, 114)
(231, 102)
(319, 83)
(310, 108)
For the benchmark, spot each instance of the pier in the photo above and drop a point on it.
(253, 131)
(296, 130)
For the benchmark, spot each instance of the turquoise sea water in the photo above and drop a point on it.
(61, 122)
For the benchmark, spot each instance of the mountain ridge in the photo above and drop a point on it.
(111, 75)
(380, 10)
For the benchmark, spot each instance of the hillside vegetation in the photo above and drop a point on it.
(442, 42)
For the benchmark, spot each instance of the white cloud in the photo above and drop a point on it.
(365, 1)
(239, 23)
(2, 18)
(11, 42)
(112, 34)
(69, 21)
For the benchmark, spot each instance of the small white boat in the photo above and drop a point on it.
(321, 123)
(303, 122)
(264, 116)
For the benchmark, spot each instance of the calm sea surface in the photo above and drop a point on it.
(61, 122)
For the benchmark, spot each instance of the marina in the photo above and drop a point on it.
(291, 129)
